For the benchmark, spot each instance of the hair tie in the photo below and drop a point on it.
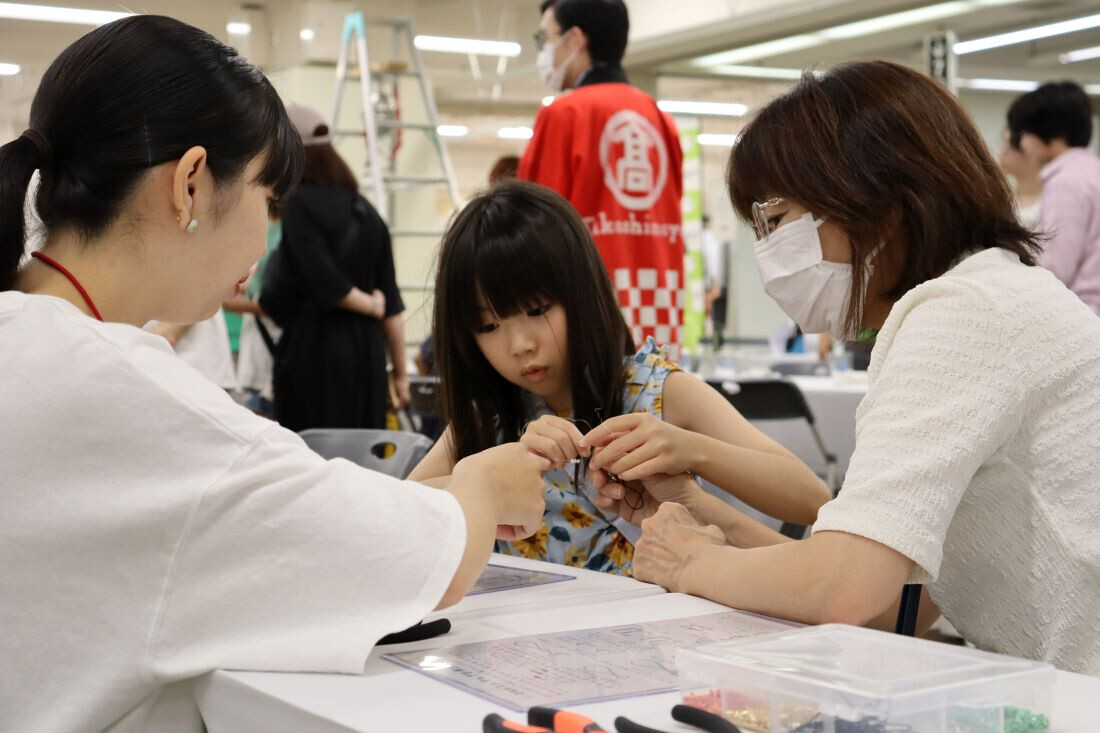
(41, 145)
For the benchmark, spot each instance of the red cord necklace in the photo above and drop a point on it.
(72, 278)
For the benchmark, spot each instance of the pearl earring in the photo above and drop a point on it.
(192, 226)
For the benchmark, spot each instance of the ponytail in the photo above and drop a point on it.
(128, 96)
(18, 161)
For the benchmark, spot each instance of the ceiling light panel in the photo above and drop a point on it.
(444, 44)
(1028, 34)
(56, 14)
(708, 109)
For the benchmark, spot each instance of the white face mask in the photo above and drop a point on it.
(811, 290)
(553, 77)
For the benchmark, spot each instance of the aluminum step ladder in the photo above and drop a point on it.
(380, 180)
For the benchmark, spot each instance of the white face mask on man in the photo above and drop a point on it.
(553, 77)
(811, 290)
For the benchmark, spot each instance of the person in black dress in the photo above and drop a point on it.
(334, 292)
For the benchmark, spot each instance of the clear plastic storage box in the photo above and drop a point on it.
(842, 679)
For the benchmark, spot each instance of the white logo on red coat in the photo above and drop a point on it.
(634, 160)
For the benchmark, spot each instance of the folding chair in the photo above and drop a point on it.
(778, 399)
(424, 410)
(391, 452)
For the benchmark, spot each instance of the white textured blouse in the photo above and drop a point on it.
(978, 457)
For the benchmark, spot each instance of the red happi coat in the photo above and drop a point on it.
(616, 157)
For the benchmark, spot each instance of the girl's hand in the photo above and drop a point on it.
(633, 503)
(640, 500)
(555, 439)
(639, 445)
(670, 540)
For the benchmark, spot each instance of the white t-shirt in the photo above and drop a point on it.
(978, 457)
(205, 346)
(153, 530)
(255, 363)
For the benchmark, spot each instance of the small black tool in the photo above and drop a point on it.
(687, 715)
(418, 632)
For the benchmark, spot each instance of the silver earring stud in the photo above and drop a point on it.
(192, 226)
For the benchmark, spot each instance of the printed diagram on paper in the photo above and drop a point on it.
(499, 577)
(575, 667)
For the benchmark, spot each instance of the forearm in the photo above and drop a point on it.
(780, 486)
(241, 304)
(357, 301)
(481, 525)
(394, 329)
(825, 579)
(740, 529)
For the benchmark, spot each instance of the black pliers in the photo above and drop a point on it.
(686, 714)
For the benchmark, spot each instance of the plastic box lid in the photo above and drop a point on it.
(849, 670)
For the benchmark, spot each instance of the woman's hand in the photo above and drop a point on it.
(401, 396)
(378, 301)
(511, 478)
(555, 439)
(670, 540)
(639, 500)
(639, 445)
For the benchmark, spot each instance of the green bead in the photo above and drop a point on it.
(1018, 720)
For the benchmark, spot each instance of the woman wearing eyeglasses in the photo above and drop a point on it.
(880, 214)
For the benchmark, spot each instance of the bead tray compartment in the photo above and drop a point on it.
(842, 679)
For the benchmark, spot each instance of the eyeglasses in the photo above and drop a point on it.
(543, 37)
(762, 214)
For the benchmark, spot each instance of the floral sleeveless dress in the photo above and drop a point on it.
(574, 531)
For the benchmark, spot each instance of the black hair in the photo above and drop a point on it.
(605, 22)
(128, 96)
(520, 245)
(1056, 110)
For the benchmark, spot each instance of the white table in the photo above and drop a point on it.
(586, 586)
(834, 401)
(388, 698)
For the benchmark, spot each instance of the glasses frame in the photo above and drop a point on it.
(760, 226)
(542, 38)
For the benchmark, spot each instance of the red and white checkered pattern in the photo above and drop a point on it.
(652, 302)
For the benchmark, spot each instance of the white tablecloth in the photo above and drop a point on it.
(388, 698)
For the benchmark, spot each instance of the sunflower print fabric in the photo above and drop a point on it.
(574, 531)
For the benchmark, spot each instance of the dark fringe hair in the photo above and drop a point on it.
(519, 245)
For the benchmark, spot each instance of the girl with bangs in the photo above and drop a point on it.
(531, 346)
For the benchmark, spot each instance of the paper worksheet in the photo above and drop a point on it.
(578, 667)
(500, 577)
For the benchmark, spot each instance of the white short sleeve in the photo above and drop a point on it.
(294, 563)
(945, 395)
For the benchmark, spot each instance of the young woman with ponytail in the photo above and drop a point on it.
(152, 529)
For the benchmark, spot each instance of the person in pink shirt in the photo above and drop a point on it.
(1053, 125)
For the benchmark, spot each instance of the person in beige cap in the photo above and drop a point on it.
(331, 287)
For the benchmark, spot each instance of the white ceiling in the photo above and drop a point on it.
(654, 53)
